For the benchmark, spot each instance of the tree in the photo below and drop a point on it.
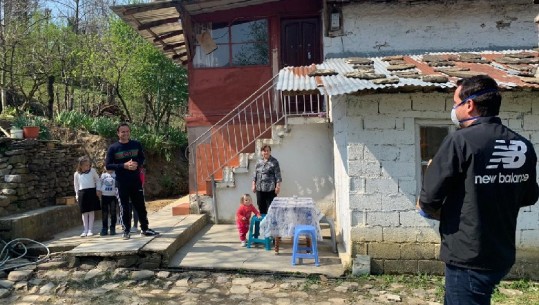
(146, 81)
(73, 54)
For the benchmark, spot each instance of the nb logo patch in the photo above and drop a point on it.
(512, 155)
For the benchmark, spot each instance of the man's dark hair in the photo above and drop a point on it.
(121, 125)
(264, 147)
(487, 103)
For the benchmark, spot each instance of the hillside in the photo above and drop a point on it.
(164, 179)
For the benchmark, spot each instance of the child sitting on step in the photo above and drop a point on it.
(243, 216)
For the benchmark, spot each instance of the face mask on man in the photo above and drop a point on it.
(454, 117)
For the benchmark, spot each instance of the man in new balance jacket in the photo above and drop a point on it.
(481, 176)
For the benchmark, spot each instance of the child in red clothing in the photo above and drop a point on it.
(243, 216)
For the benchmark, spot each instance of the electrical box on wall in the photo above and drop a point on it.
(334, 19)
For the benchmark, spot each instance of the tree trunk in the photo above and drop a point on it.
(50, 91)
(3, 93)
(123, 103)
(3, 98)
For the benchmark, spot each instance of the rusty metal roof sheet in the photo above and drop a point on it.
(160, 22)
(511, 69)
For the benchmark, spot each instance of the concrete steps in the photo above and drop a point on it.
(139, 251)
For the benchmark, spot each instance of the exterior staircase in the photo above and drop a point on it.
(227, 147)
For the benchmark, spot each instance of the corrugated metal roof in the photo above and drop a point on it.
(299, 79)
(160, 22)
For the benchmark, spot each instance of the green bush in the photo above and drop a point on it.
(44, 133)
(176, 136)
(163, 142)
(74, 119)
(105, 127)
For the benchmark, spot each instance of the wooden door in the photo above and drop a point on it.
(300, 42)
(300, 46)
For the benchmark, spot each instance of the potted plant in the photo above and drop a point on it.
(30, 132)
(29, 125)
(16, 130)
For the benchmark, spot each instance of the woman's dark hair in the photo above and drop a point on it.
(264, 147)
(488, 99)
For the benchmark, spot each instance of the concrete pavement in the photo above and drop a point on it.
(189, 242)
(218, 247)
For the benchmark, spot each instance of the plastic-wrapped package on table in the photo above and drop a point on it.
(285, 213)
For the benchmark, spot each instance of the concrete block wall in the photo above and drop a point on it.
(382, 148)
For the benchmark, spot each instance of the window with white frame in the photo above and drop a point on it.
(241, 43)
(431, 135)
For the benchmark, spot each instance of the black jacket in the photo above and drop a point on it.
(120, 153)
(480, 178)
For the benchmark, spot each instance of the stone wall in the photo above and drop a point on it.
(34, 173)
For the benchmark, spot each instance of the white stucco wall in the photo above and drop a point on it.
(342, 181)
(305, 155)
(381, 162)
(382, 28)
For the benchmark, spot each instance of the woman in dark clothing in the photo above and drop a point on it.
(266, 179)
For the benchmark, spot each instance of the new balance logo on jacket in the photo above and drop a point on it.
(510, 155)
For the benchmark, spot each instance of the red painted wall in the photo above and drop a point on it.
(213, 92)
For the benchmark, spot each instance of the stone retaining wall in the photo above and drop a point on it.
(41, 224)
(34, 173)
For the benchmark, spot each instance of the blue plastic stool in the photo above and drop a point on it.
(254, 229)
(313, 249)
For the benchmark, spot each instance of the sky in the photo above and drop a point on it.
(62, 8)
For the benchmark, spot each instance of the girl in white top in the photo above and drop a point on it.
(87, 191)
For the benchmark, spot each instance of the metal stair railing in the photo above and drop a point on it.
(241, 127)
(214, 149)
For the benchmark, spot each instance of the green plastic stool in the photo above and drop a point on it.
(254, 229)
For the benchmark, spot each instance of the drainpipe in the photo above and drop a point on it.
(214, 199)
(536, 20)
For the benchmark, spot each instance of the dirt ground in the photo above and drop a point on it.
(157, 204)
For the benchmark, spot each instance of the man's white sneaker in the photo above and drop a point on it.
(83, 234)
(89, 234)
(243, 244)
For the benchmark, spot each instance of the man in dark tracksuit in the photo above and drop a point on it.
(126, 158)
(481, 176)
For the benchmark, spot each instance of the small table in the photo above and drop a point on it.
(285, 213)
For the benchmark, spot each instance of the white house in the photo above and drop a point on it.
(355, 144)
